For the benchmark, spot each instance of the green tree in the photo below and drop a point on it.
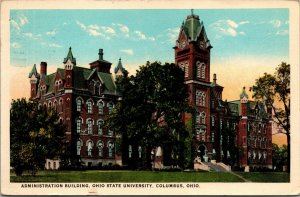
(149, 113)
(279, 157)
(274, 91)
(35, 134)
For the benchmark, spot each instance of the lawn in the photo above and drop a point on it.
(126, 176)
(147, 176)
(266, 176)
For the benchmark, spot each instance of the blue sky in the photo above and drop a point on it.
(246, 42)
(141, 35)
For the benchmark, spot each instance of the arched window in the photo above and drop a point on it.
(202, 118)
(78, 125)
(99, 126)
(265, 155)
(110, 107)
(89, 106)
(200, 98)
(100, 146)
(97, 88)
(202, 70)
(89, 126)
(198, 119)
(100, 105)
(50, 105)
(54, 105)
(92, 87)
(254, 154)
(78, 144)
(60, 104)
(186, 69)
(110, 133)
(110, 146)
(198, 67)
(79, 104)
(89, 145)
(212, 120)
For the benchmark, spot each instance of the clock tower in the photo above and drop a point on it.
(192, 55)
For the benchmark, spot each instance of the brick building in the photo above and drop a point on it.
(234, 132)
(83, 98)
(220, 125)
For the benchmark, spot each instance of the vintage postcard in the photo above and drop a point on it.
(150, 97)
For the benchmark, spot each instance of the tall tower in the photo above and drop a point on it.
(192, 54)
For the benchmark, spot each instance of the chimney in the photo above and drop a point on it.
(43, 68)
(215, 78)
(100, 54)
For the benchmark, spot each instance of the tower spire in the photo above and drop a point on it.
(192, 11)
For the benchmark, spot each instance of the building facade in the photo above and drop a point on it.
(83, 97)
(237, 132)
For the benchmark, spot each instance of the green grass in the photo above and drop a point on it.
(266, 176)
(126, 176)
(149, 176)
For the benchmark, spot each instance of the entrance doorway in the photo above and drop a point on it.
(201, 152)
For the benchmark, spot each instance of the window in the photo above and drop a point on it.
(100, 107)
(198, 117)
(265, 155)
(78, 147)
(110, 133)
(78, 125)
(90, 126)
(264, 143)
(129, 151)
(92, 87)
(221, 124)
(79, 105)
(100, 148)
(202, 67)
(198, 65)
(202, 118)
(200, 98)
(203, 136)
(60, 105)
(212, 121)
(186, 69)
(254, 154)
(89, 106)
(100, 125)
(249, 154)
(259, 155)
(54, 105)
(50, 105)
(110, 149)
(140, 151)
(97, 88)
(212, 136)
(110, 107)
(259, 142)
(89, 147)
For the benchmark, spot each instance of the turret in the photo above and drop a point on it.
(244, 101)
(120, 70)
(70, 63)
(101, 65)
(34, 80)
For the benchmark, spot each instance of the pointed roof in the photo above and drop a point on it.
(243, 93)
(33, 72)
(70, 57)
(120, 67)
(193, 28)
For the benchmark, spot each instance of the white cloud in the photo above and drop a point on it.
(28, 34)
(140, 35)
(127, 51)
(15, 24)
(15, 45)
(23, 20)
(124, 29)
(96, 30)
(282, 32)
(243, 22)
(228, 28)
(151, 38)
(276, 23)
(55, 45)
(232, 23)
(51, 32)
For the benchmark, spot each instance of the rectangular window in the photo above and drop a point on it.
(202, 136)
(110, 132)
(186, 69)
(100, 128)
(78, 105)
(100, 152)
(100, 108)
(212, 121)
(110, 152)
(213, 136)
